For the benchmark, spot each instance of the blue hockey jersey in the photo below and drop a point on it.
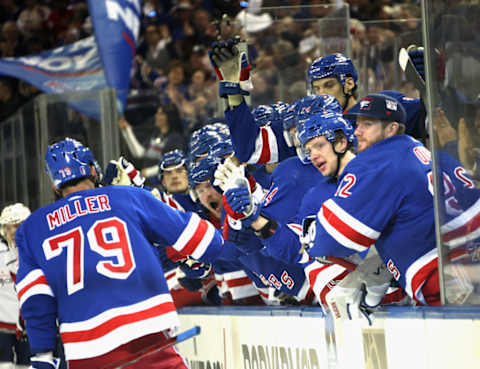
(291, 180)
(87, 260)
(254, 144)
(383, 198)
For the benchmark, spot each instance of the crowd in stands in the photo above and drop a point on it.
(175, 35)
(172, 68)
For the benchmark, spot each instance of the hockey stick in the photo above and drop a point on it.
(411, 72)
(192, 332)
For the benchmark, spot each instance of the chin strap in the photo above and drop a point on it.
(340, 155)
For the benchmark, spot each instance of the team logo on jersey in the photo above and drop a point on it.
(391, 105)
(269, 196)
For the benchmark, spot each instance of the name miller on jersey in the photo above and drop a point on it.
(78, 206)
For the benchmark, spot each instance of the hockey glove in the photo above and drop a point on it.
(416, 54)
(135, 177)
(240, 205)
(344, 301)
(194, 269)
(230, 62)
(309, 229)
(229, 175)
(122, 172)
(44, 360)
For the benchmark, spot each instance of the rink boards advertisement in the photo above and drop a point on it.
(261, 342)
(424, 338)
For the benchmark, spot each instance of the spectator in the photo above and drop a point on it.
(11, 44)
(165, 134)
(204, 30)
(175, 90)
(31, 20)
(156, 49)
(9, 100)
(59, 18)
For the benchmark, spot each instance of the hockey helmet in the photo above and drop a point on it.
(326, 124)
(337, 65)
(68, 160)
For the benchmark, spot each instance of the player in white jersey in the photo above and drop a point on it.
(10, 219)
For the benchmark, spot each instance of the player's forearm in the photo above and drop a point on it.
(40, 317)
(234, 100)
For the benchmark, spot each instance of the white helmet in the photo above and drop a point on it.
(13, 214)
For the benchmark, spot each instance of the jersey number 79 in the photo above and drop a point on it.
(108, 237)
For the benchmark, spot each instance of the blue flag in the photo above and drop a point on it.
(75, 67)
(117, 25)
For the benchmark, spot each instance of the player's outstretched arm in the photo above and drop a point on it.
(186, 232)
(37, 300)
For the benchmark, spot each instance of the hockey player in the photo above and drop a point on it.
(12, 348)
(188, 286)
(173, 172)
(107, 233)
(235, 284)
(334, 75)
(400, 222)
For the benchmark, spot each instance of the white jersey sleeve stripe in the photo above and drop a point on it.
(266, 147)
(322, 278)
(191, 236)
(345, 229)
(417, 272)
(112, 328)
(204, 241)
(463, 228)
(34, 283)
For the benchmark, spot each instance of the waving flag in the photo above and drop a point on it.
(117, 25)
(75, 67)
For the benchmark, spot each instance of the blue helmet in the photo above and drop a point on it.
(315, 104)
(280, 108)
(68, 160)
(201, 143)
(263, 115)
(289, 116)
(326, 124)
(337, 65)
(175, 158)
(203, 171)
(222, 149)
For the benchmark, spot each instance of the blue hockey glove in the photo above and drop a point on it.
(110, 173)
(230, 62)
(416, 54)
(190, 284)
(194, 269)
(240, 205)
(44, 360)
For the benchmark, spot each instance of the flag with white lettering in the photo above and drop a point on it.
(75, 67)
(117, 25)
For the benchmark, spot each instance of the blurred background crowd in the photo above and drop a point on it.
(173, 89)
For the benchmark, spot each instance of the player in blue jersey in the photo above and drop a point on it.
(396, 217)
(105, 290)
(334, 75)
(188, 286)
